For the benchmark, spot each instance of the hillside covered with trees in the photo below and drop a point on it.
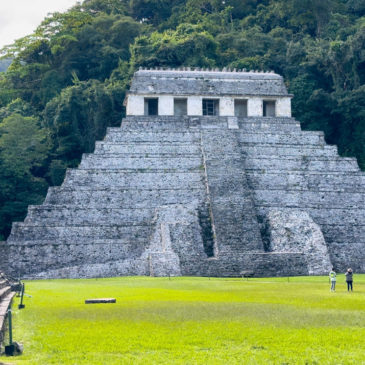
(67, 81)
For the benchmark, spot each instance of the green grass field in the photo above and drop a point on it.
(192, 321)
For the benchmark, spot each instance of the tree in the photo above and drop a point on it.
(24, 147)
(189, 45)
(78, 117)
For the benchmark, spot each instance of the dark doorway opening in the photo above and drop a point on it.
(240, 108)
(269, 108)
(151, 106)
(180, 107)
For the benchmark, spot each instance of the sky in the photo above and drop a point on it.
(19, 18)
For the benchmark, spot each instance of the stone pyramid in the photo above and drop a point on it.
(198, 195)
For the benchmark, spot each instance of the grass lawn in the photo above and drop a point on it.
(192, 321)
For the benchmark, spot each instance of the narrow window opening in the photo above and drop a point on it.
(210, 107)
(151, 106)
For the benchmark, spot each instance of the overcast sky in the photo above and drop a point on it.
(21, 17)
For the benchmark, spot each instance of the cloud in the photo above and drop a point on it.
(19, 18)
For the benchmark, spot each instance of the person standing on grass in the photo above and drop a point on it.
(349, 274)
(332, 276)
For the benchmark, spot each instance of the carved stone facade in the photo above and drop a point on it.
(199, 195)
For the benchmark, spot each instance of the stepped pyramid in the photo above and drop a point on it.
(208, 175)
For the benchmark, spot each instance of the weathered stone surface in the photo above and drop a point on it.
(199, 189)
(161, 257)
(4, 255)
(177, 82)
(295, 231)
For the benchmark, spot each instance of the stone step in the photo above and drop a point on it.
(269, 120)
(344, 233)
(221, 146)
(246, 125)
(3, 283)
(151, 136)
(47, 214)
(261, 264)
(308, 199)
(222, 152)
(175, 122)
(315, 163)
(143, 179)
(58, 254)
(351, 216)
(80, 233)
(233, 212)
(255, 150)
(265, 126)
(4, 292)
(188, 163)
(353, 256)
(124, 245)
(140, 125)
(234, 242)
(148, 149)
(5, 303)
(308, 180)
(323, 215)
(128, 198)
(295, 163)
(297, 139)
(198, 120)
(234, 191)
(225, 185)
(184, 125)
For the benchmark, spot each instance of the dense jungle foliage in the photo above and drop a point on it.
(67, 81)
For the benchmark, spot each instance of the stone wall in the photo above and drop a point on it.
(136, 105)
(4, 255)
(209, 83)
(195, 196)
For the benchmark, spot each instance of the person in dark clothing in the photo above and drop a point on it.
(349, 275)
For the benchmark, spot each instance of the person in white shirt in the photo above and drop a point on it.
(332, 276)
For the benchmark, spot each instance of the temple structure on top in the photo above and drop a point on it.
(208, 174)
(208, 93)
